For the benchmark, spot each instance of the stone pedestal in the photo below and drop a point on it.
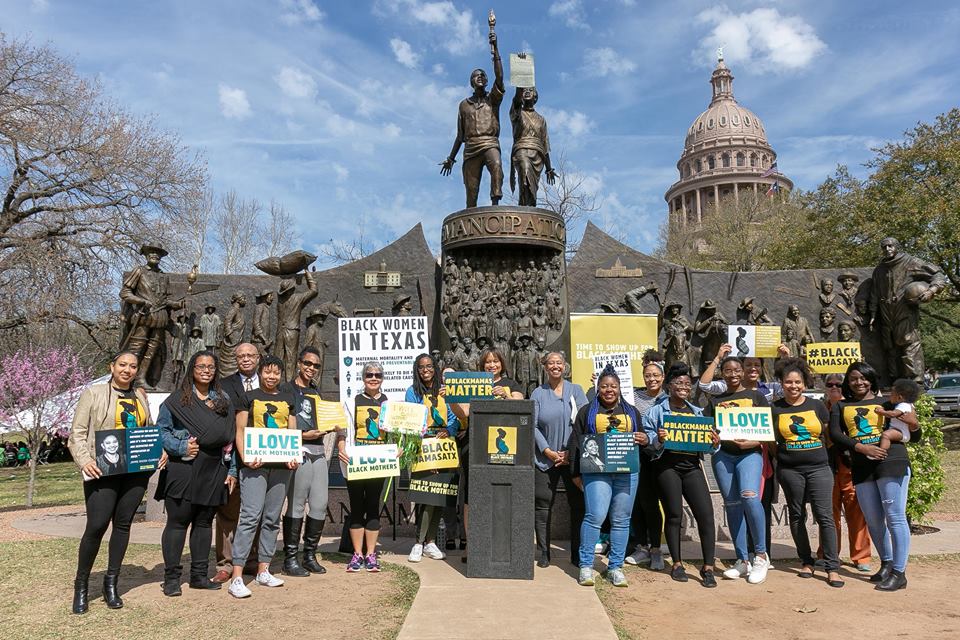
(500, 525)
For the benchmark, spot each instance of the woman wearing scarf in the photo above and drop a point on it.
(427, 389)
(196, 423)
(605, 492)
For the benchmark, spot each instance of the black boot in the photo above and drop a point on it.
(110, 595)
(291, 542)
(171, 581)
(199, 578)
(886, 567)
(896, 580)
(80, 599)
(311, 539)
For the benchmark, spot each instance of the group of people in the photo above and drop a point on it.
(844, 453)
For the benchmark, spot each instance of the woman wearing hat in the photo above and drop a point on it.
(605, 492)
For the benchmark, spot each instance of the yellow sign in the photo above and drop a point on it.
(594, 334)
(437, 453)
(767, 341)
(330, 415)
(832, 357)
(501, 445)
(373, 461)
(403, 417)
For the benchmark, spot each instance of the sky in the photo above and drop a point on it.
(343, 111)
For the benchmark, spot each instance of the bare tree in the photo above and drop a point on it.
(82, 182)
(343, 251)
(281, 229)
(569, 197)
(189, 240)
(236, 228)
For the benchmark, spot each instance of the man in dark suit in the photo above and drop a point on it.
(235, 386)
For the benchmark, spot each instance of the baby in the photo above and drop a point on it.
(902, 417)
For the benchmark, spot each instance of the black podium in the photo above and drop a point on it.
(500, 523)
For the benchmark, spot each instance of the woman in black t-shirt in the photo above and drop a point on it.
(800, 424)
(881, 477)
(738, 468)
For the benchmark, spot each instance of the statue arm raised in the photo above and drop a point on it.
(497, 65)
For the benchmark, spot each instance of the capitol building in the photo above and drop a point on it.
(725, 155)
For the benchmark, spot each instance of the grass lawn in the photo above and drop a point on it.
(950, 502)
(56, 484)
(37, 588)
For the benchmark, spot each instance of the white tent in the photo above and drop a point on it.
(25, 417)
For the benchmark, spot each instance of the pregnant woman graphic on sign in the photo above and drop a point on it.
(501, 445)
(742, 347)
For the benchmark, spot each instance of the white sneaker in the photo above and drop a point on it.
(266, 579)
(432, 550)
(759, 571)
(600, 548)
(739, 570)
(416, 554)
(656, 560)
(238, 590)
(640, 556)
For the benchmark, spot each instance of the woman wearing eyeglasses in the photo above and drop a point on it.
(364, 494)
(309, 485)
(428, 389)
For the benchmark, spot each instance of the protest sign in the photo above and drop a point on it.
(438, 489)
(593, 334)
(688, 433)
(611, 452)
(130, 450)
(750, 341)
(330, 415)
(745, 423)
(373, 461)
(622, 365)
(437, 453)
(272, 445)
(394, 342)
(464, 387)
(522, 70)
(832, 357)
(501, 445)
(403, 417)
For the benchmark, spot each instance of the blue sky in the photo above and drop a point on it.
(343, 110)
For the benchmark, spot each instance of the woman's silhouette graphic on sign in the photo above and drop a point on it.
(268, 420)
(501, 444)
(742, 347)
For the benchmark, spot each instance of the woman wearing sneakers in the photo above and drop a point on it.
(364, 494)
(428, 390)
(679, 475)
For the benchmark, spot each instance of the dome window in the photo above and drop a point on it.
(735, 119)
(753, 159)
(726, 160)
(740, 160)
(723, 121)
(711, 163)
(746, 120)
(710, 123)
(699, 166)
(700, 127)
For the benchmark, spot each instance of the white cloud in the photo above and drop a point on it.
(39, 6)
(457, 31)
(438, 69)
(404, 53)
(571, 123)
(605, 62)
(571, 12)
(299, 11)
(295, 83)
(340, 172)
(762, 39)
(391, 130)
(234, 103)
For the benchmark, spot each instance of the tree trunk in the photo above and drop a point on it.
(33, 477)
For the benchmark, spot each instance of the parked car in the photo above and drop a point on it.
(946, 393)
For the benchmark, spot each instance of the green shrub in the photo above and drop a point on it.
(927, 484)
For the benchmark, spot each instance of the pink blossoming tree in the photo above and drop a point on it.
(39, 389)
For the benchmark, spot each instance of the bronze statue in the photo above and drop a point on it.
(827, 295)
(146, 313)
(676, 334)
(800, 325)
(848, 292)
(195, 344)
(233, 328)
(468, 359)
(478, 130)
(901, 283)
(290, 306)
(401, 305)
(747, 313)
(314, 337)
(827, 318)
(178, 329)
(794, 348)
(531, 146)
(631, 299)
(846, 332)
(709, 332)
(260, 333)
(210, 327)
(526, 369)
(451, 356)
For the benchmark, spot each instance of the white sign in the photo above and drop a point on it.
(621, 363)
(521, 70)
(272, 445)
(745, 423)
(394, 342)
(749, 341)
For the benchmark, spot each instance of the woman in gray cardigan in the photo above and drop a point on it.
(555, 404)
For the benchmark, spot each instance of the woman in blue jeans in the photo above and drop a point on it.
(738, 467)
(880, 477)
(604, 492)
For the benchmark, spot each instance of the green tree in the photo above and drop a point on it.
(927, 481)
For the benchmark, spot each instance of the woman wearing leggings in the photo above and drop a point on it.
(364, 494)
(109, 499)
(881, 476)
(738, 467)
(679, 476)
(196, 422)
